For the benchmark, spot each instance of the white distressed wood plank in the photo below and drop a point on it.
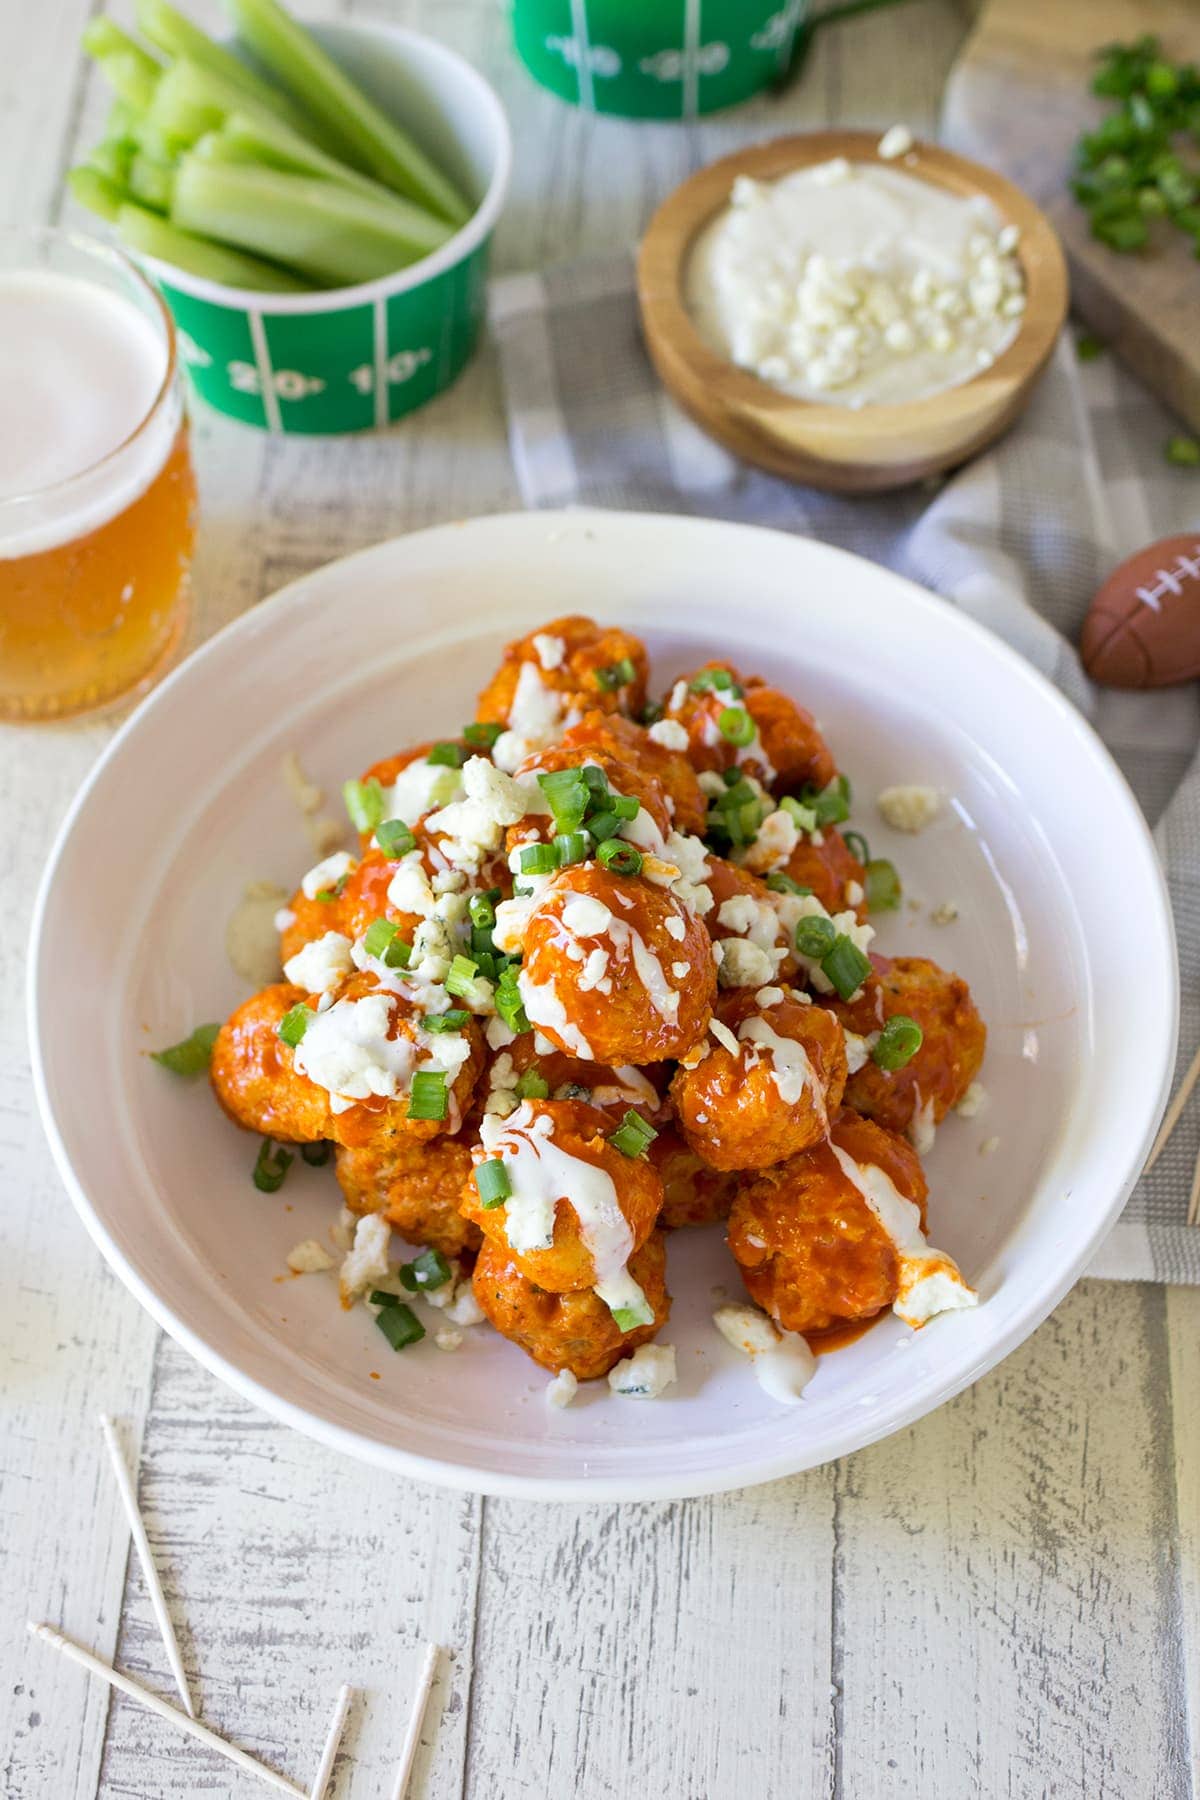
(289, 1569)
(680, 1650)
(1008, 1610)
(1183, 1349)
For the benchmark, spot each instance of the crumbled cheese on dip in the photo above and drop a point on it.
(856, 283)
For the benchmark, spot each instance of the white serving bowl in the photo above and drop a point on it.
(1041, 846)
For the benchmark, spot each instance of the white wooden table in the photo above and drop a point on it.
(1001, 1601)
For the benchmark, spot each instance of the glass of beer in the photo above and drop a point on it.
(97, 496)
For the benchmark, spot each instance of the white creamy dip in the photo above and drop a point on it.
(852, 283)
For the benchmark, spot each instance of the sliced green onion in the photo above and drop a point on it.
(454, 1020)
(485, 959)
(400, 1325)
(595, 778)
(491, 1179)
(193, 1055)
(652, 712)
(815, 937)
(446, 756)
(509, 1004)
(882, 885)
(736, 726)
(832, 804)
(714, 681)
(1087, 347)
(538, 859)
(628, 1318)
(327, 896)
(1182, 452)
(846, 966)
(394, 838)
(317, 1155)
(271, 1166)
(428, 1098)
(294, 1023)
(779, 883)
(572, 847)
(532, 1086)
(383, 1297)
(482, 911)
(615, 675)
(603, 825)
(621, 859)
(732, 776)
(633, 1137)
(624, 805)
(482, 944)
(568, 794)
(379, 936)
(429, 1270)
(802, 817)
(897, 1043)
(857, 845)
(464, 972)
(482, 735)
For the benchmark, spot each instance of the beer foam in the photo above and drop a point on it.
(80, 367)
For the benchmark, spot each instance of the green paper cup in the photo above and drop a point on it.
(349, 359)
(656, 59)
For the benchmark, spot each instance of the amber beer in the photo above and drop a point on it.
(97, 497)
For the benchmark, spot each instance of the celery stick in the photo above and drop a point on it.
(101, 37)
(132, 76)
(151, 182)
(112, 159)
(298, 62)
(175, 35)
(97, 191)
(191, 100)
(148, 235)
(327, 232)
(243, 139)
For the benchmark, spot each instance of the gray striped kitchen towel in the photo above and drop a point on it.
(1020, 539)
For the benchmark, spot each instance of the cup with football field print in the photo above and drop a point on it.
(657, 59)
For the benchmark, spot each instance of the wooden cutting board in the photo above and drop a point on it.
(1018, 99)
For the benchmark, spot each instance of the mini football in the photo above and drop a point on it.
(1143, 627)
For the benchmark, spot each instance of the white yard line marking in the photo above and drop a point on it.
(583, 45)
(333, 1738)
(416, 1717)
(75, 1653)
(381, 363)
(141, 1544)
(691, 58)
(266, 374)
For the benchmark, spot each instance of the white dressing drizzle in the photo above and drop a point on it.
(791, 1069)
(929, 1280)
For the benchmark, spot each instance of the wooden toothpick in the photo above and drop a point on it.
(144, 1697)
(1171, 1118)
(1193, 1211)
(333, 1738)
(416, 1717)
(146, 1558)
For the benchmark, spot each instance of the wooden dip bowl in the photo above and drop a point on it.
(844, 449)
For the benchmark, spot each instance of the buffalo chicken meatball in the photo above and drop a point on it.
(415, 1185)
(531, 1069)
(616, 970)
(811, 1249)
(552, 677)
(731, 720)
(825, 863)
(364, 1062)
(656, 754)
(252, 1075)
(622, 779)
(767, 1084)
(567, 1205)
(693, 1193)
(575, 1330)
(917, 1096)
